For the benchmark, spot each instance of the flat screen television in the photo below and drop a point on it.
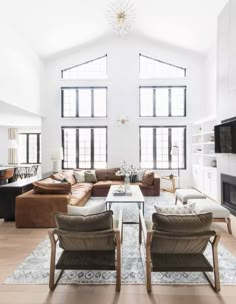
(225, 137)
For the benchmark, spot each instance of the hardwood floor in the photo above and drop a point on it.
(16, 245)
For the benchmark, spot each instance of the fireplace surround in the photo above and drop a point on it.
(228, 192)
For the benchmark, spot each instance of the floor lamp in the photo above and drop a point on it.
(175, 151)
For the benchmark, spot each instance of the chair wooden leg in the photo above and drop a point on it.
(148, 262)
(52, 283)
(229, 225)
(216, 283)
(176, 199)
(118, 261)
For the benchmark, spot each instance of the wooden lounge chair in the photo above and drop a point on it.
(176, 243)
(89, 243)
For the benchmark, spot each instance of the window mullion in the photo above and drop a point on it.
(154, 148)
(38, 148)
(154, 103)
(92, 102)
(169, 147)
(27, 148)
(169, 101)
(77, 103)
(77, 148)
(92, 148)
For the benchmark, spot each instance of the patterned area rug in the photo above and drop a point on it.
(35, 268)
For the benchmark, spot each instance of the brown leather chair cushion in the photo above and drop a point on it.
(106, 184)
(94, 222)
(57, 188)
(182, 223)
(148, 178)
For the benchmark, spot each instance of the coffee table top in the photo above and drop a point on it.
(136, 196)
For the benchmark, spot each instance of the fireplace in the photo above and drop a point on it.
(228, 191)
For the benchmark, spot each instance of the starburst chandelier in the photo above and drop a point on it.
(121, 15)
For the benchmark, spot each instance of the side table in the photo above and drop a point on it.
(172, 180)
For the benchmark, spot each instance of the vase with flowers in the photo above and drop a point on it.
(126, 170)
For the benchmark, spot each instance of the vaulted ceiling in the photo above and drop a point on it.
(53, 26)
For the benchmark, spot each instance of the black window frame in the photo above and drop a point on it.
(155, 167)
(83, 63)
(169, 100)
(77, 144)
(163, 62)
(27, 147)
(92, 88)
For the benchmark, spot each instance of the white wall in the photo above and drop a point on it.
(226, 80)
(4, 145)
(210, 76)
(123, 95)
(21, 72)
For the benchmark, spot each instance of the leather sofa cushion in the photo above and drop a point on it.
(106, 184)
(182, 223)
(52, 188)
(108, 174)
(81, 223)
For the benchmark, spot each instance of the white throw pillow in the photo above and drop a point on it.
(140, 174)
(79, 176)
(186, 209)
(98, 208)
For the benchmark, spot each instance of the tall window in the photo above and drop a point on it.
(84, 147)
(154, 68)
(29, 148)
(156, 145)
(163, 101)
(84, 102)
(92, 69)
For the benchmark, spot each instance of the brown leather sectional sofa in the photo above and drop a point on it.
(34, 210)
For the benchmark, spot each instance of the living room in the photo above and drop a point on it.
(84, 86)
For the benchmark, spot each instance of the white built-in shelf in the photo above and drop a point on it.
(198, 154)
(208, 133)
(199, 143)
(208, 143)
(197, 134)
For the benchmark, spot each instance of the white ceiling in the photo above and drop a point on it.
(14, 116)
(52, 26)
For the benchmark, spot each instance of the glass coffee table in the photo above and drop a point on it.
(135, 197)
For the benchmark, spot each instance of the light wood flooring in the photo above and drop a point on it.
(17, 244)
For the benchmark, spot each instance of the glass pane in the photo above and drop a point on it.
(85, 148)
(92, 69)
(162, 102)
(100, 98)
(69, 148)
(162, 148)
(69, 102)
(146, 137)
(32, 148)
(85, 107)
(146, 101)
(178, 160)
(22, 148)
(100, 148)
(177, 101)
(151, 68)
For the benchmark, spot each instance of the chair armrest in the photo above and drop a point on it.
(143, 227)
(51, 234)
(215, 240)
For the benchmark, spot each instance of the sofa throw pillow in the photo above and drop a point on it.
(69, 175)
(133, 178)
(86, 210)
(90, 176)
(93, 222)
(182, 223)
(79, 176)
(186, 209)
(54, 188)
(140, 174)
(148, 178)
